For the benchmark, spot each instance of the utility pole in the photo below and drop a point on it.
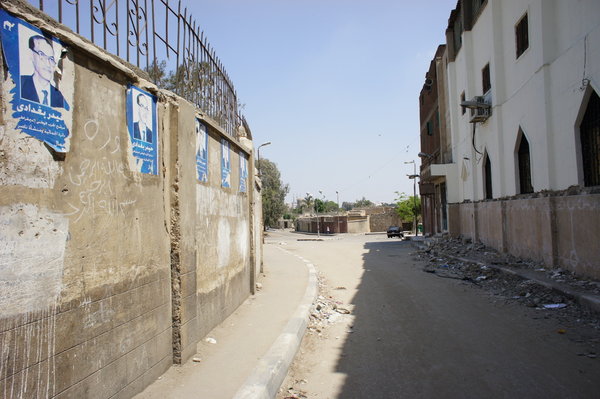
(414, 177)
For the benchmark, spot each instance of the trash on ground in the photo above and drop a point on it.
(555, 305)
(196, 360)
(211, 340)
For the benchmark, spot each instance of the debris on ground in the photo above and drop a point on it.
(488, 269)
(325, 311)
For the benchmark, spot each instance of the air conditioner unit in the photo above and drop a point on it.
(481, 110)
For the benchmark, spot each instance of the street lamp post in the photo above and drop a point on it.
(337, 193)
(414, 177)
(317, 209)
(309, 196)
(258, 154)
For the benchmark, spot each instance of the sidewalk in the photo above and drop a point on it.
(255, 345)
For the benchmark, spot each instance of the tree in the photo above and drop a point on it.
(273, 192)
(408, 207)
(361, 203)
(159, 75)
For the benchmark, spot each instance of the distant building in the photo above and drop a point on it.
(519, 162)
(436, 144)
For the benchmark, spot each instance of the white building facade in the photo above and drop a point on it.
(525, 178)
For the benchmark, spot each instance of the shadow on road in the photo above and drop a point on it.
(419, 336)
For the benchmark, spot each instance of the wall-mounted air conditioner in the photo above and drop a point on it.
(480, 109)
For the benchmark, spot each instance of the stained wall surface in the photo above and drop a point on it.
(109, 274)
(560, 231)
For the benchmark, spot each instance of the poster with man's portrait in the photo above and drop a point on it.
(201, 151)
(43, 78)
(225, 164)
(243, 172)
(141, 123)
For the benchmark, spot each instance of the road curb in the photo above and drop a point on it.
(273, 367)
(591, 302)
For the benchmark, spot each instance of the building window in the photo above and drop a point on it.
(524, 164)
(522, 35)
(487, 178)
(590, 142)
(486, 82)
(462, 100)
(429, 128)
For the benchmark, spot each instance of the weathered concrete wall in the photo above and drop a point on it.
(85, 303)
(107, 275)
(578, 233)
(222, 229)
(357, 226)
(561, 231)
(258, 227)
(528, 229)
(488, 221)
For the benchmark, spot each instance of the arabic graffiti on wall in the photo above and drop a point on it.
(141, 122)
(36, 65)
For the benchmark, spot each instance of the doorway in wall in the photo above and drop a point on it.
(590, 142)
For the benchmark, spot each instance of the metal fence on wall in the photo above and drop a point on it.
(161, 38)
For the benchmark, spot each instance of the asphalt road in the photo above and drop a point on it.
(412, 334)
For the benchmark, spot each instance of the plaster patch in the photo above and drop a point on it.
(242, 236)
(223, 243)
(24, 160)
(217, 202)
(32, 251)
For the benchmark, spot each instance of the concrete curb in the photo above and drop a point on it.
(273, 367)
(592, 302)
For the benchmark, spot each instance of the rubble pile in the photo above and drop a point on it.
(479, 265)
(325, 311)
(477, 253)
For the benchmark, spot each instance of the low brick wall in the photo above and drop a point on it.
(561, 231)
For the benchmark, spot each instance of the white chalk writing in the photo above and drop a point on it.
(94, 177)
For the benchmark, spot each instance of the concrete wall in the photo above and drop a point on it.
(358, 226)
(488, 223)
(561, 231)
(107, 275)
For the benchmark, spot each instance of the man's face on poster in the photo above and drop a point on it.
(143, 109)
(43, 59)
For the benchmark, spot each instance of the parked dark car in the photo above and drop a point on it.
(394, 231)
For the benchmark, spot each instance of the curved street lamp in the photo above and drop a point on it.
(258, 154)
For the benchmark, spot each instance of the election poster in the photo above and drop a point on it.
(141, 123)
(41, 76)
